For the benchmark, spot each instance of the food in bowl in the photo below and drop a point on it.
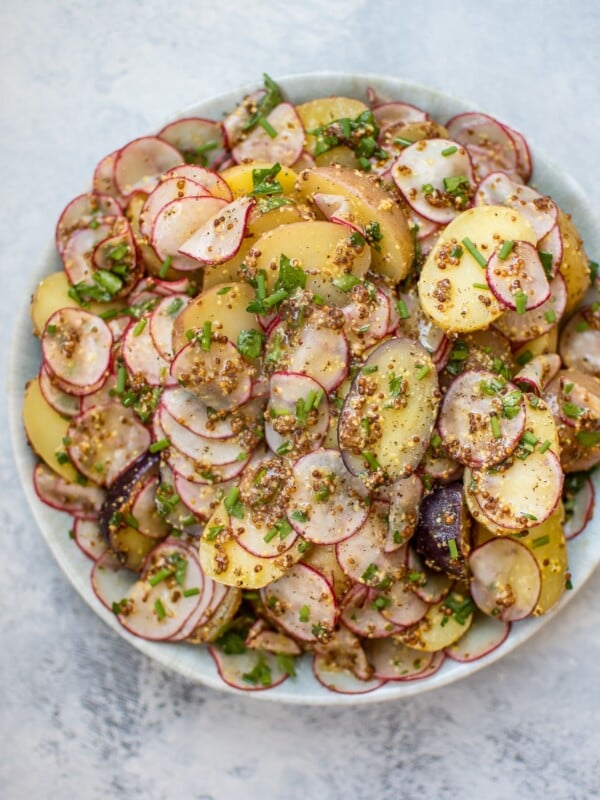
(312, 378)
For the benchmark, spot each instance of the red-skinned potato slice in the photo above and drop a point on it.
(465, 423)
(520, 277)
(249, 671)
(76, 346)
(205, 177)
(56, 492)
(283, 148)
(300, 601)
(141, 355)
(83, 210)
(139, 165)
(179, 220)
(197, 139)
(525, 327)
(88, 538)
(67, 405)
(221, 236)
(105, 441)
(539, 210)
(506, 580)
(165, 192)
(328, 504)
(489, 143)
(285, 430)
(484, 636)
(422, 173)
(579, 344)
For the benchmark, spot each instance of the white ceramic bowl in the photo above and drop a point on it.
(195, 662)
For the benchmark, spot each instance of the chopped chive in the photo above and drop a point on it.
(266, 126)
(369, 369)
(506, 249)
(541, 541)
(572, 411)
(544, 446)
(588, 438)
(370, 459)
(530, 438)
(160, 609)
(213, 532)
(402, 142)
(303, 546)
(110, 313)
(270, 534)
(191, 592)
(449, 150)
(304, 614)
(550, 316)
(568, 584)
(175, 306)
(402, 310)
(225, 290)
(139, 326)
(161, 444)
(285, 448)
(121, 380)
(132, 521)
(470, 247)
(165, 267)
(423, 372)
(495, 425)
(231, 499)
(456, 251)
(160, 576)
(520, 302)
(453, 548)
(299, 515)
(581, 326)
(524, 358)
(483, 286)
(276, 297)
(206, 337)
(346, 282)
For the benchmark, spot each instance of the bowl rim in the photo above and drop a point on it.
(165, 653)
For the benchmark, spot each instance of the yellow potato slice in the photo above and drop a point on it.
(46, 430)
(132, 546)
(225, 310)
(224, 613)
(575, 265)
(449, 287)
(437, 629)
(323, 110)
(239, 178)
(342, 155)
(370, 206)
(546, 343)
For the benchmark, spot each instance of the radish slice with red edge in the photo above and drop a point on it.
(189, 469)
(551, 248)
(395, 113)
(262, 539)
(87, 536)
(520, 328)
(197, 139)
(141, 355)
(485, 635)
(179, 220)
(402, 606)
(56, 492)
(524, 163)
(341, 680)
(249, 671)
(489, 143)
(202, 612)
(361, 614)
(405, 495)
(394, 661)
(367, 318)
(104, 394)
(215, 184)
(139, 165)
(234, 123)
(431, 587)
(210, 452)
(302, 602)
(481, 419)
(283, 148)
(70, 388)
(579, 507)
(579, 344)
(580, 400)
(521, 494)
(518, 281)
(158, 605)
(506, 581)
(162, 322)
(344, 648)
(104, 176)
(167, 190)
(192, 413)
(221, 236)
(336, 208)
(304, 161)
(217, 375)
(435, 185)
(84, 211)
(77, 254)
(67, 405)
(363, 558)
(76, 346)
(415, 325)
(297, 414)
(119, 252)
(538, 373)
(328, 504)
(261, 637)
(200, 499)
(145, 512)
(111, 581)
(497, 189)
(105, 441)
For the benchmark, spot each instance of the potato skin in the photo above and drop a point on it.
(575, 265)
(443, 516)
(46, 430)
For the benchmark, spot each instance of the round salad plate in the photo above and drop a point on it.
(194, 662)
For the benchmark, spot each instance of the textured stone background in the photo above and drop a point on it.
(81, 713)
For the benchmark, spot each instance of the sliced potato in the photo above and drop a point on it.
(450, 285)
(132, 547)
(440, 627)
(546, 343)
(215, 626)
(324, 110)
(226, 561)
(224, 306)
(373, 210)
(239, 178)
(575, 265)
(342, 155)
(46, 430)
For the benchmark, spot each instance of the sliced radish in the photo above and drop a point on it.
(581, 391)
(484, 636)
(218, 376)
(104, 176)
(158, 610)
(221, 236)
(405, 495)
(167, 190)
(404, 607)
(67, 405)
(78, 252)
(336, 208)
(341, 679)
(200, 499)
(524, 327)
(179, 220)
(76, 346)
(386, 114)
(144, 510)
(431, 587)
(162, 322)
(283, 148)
(261, 637)
(506, 580)
(104, 394)
(249, 671)
(367, 318)
(304, 161)
(519, 278)
(205, 177)
(522, 494)
(289, 428)
(119, 252)
(344, 650)
(361, 613)
(105, 441)
(200, 474)
(141, 355)
(210, 452)
(538, 373)
(481, 419)
(111, 581)
(139, 165)
(580, 341)
(71, 388)
(328, 504)
(497, 189)
(88, 538)
(233, 124)
(394, 661)
(580, 509)
(363, 557)
(415, 325)
(489, 143)
(321, 353)
(302, 602)
(524, 163)
(426, 178)
(195, 138)
(552, 245)
(84, 211)
(83, 501)
(209, 594)
(192, 413)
